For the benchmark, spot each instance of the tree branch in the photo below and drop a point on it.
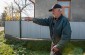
(17, 4)
(32, 1)
(25, 6)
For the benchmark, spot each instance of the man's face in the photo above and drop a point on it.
(55, 12)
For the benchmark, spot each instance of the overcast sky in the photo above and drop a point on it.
(4, 3)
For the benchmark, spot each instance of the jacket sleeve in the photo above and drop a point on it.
(66, 35)
(40, 21)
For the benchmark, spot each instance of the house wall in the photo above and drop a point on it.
(78, 10)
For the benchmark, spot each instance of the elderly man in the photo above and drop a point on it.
(60, 30)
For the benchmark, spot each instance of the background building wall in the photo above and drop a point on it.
(42, 7)
(78, 10)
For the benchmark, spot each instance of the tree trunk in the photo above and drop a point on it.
(20, 26)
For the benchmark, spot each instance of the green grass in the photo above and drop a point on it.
(19, 47)
(74, 48)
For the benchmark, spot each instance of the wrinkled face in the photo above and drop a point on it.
(56, 12)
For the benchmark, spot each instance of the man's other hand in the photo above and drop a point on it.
(55, 49)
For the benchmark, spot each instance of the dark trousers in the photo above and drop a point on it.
(58, 53)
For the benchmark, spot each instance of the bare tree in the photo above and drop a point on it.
(22, 4)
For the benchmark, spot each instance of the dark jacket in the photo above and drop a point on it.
(60, 30)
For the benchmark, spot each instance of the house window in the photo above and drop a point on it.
(66, 4)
